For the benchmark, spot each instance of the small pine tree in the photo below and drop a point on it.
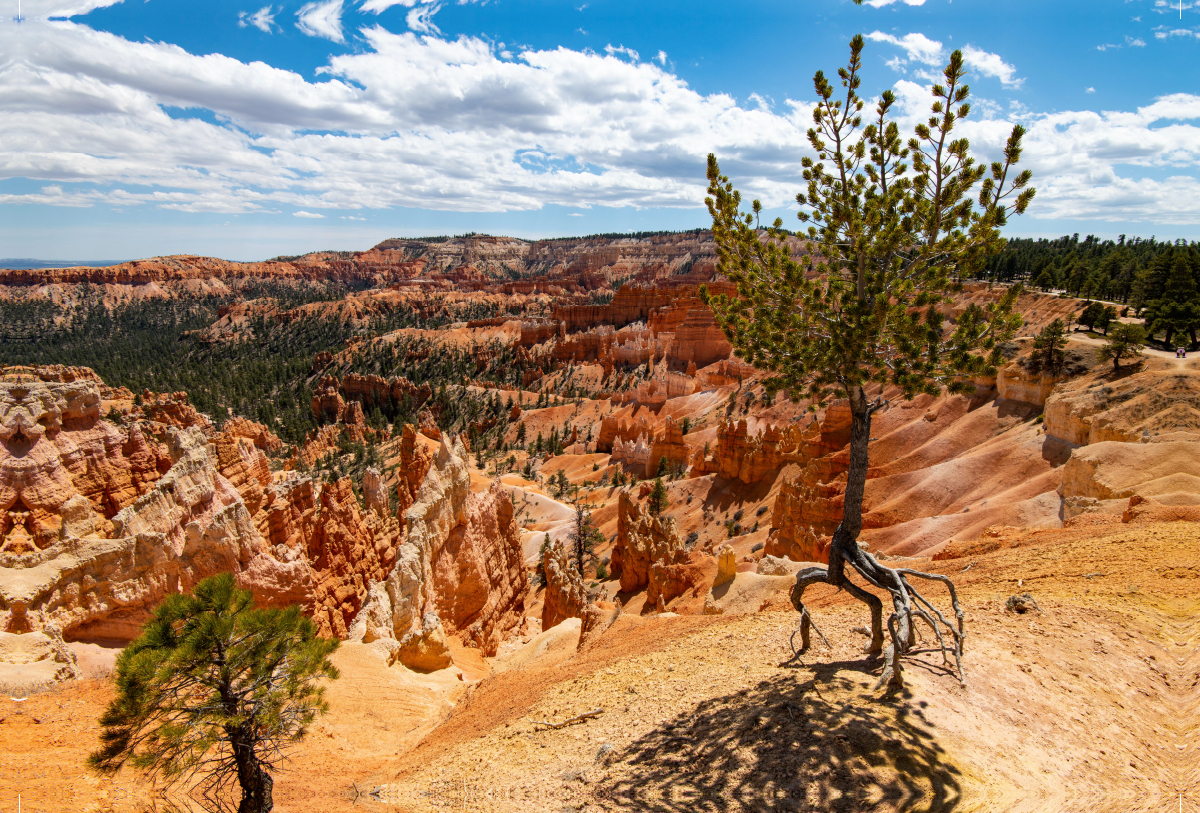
(1045, 280)
(656, 503)
(584, 538)
(1050, 348)
(213, 690)
(1107, 318)
(1126, 341)
(1091, 315)
(539, 576)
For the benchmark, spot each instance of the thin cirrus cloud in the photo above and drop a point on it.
(925, 51)
(1163, 32)
(263, 19)
(1132, 42)
(420, 19)
(321, 19)
(421, 121)
(1163, 7)
(421, 14)
(380, 6)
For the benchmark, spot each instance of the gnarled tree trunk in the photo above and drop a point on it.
(255, 782)
(907, 603)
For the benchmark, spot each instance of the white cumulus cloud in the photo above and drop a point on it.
(43, 9)
(308, 215)
(990, 64)
(882, 3)
(416, 120)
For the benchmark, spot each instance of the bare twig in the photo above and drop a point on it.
(578, 718)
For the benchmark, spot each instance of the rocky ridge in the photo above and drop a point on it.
(101, 519)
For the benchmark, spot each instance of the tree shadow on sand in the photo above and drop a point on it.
(788, 744)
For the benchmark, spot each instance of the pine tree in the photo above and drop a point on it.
(1178, 310)
(213, 691)
(1126, 341)
(1091, 315)
(1050, 348)
(584, 537)
(656, 503)
(859, 308)
(1108, 316)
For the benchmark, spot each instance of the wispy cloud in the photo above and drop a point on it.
(1163, 7)
(924, 51)
(420, 19)
(613, 50)
(262, 19)
(380, 6)
(917, 47)
(990, 64)
(308, 215)
(1163, 32)
(321, 19)
(1132, 42)
(882, 3)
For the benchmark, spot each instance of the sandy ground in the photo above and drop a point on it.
(1090, 704)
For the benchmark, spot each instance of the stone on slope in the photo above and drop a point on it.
(424, 649)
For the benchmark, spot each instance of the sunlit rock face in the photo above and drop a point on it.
(102, 517)
(57, 458)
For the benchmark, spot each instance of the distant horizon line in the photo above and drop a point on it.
(35, 264)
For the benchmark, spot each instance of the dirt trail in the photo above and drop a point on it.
(1169, 355)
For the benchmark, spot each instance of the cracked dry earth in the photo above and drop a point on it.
(1090, 704)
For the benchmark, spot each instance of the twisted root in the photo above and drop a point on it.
(907, 604)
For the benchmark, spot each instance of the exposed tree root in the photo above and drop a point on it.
(908, 605)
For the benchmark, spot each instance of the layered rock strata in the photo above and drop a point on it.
(99, 522)
(460, 558)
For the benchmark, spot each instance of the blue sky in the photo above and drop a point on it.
(245, 130)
